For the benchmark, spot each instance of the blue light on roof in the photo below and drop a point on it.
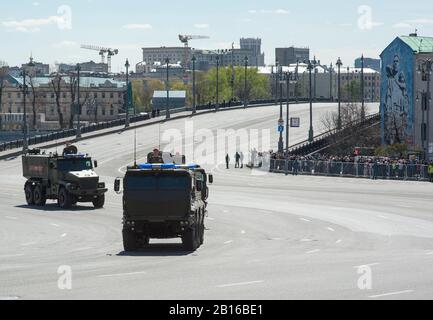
(166, 166)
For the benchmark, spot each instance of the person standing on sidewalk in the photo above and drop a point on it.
(430, 171)
(227, 161)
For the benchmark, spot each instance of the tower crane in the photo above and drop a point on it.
(185, 39)
(102, 52)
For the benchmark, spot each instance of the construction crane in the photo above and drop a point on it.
(102, 52)
(185, 39)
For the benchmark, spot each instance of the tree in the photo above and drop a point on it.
(56, 83)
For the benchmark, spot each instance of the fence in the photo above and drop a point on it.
(413, 172)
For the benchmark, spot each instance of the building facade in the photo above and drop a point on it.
(102, 99)
(291, 55)
(91, 67)
(406, 93)
(160, 54)
(254, 45)
(368, 63)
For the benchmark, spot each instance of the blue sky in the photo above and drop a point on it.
(53, 30)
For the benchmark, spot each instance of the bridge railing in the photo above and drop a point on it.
(413, 172)
(62, 134)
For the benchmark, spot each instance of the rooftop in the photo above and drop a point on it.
(85, 82)
(419, 44)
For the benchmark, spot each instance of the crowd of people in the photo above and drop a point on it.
(370, 166)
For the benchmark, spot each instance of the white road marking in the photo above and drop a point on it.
(429, 253)
(226, 211)
(28, 244)
(383, 217)
(64, 235)
(331, 229)
(391, 294)
(121, 274)
(11, 218)
(239, 284)
(211, 219)
(305, 220)
(367, 265)
(306, 240)
(228, 242)
(54, 225)
(12, 255)
(243, 232)
(313, 251)
(339, 241)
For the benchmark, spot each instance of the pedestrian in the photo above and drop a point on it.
(242, 157)
(227, 161)
(430, 171)
(295, 167)
(158, 112)
(237, 158)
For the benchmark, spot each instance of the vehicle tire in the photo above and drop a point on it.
(64, 199)
(74, 200)
(129, 240)
(99, 202)
(28, 190)
(202, 229)
(189, 239)
(39, 196)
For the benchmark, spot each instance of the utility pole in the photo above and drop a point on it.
(330, 83)
(233, 72)
(288, 76)
(217, 82)
(245, 87)
(280, 121)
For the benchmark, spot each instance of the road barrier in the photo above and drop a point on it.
(411, 172)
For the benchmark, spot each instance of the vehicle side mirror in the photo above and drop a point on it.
(211, 178)
(117, 185)
(95, 164)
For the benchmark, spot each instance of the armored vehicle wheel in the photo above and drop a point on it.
(74, 200)
(202, 229)
(129, 240)
(190, 239)
(99, 202)
(64, 200)
(39, 196)
(28, 190)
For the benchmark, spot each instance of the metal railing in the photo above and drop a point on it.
(391, 171)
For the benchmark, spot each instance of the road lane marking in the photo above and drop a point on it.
(228, 242)
(11, 218)
(28, 244)
(54, 225)
(12, 255)
(367, 265)
(429, 253)
(313, 251)
(121, 274)
(305, 220)
(239, 284)
(306, 240)
(243, 232)
(339, 241)
(64, 235)
(211, 219)
(391, 294)
(331, 229)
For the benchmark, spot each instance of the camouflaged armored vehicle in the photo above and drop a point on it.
(68, 178)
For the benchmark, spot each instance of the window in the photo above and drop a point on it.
(103, 95)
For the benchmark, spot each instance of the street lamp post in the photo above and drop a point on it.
(217, 82)
(362, 90)
(194, 106)
(315, 78)
(25, 91)
(167, 84)
(127, 65)
(277, 65)
(78, 131)
(311, 131)
(245, 83)
(280, 121)
(426, 66)
(232, 82)
(288, 77)
(339, 64)
(330, 83)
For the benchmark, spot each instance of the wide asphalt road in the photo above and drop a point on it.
(268, 236)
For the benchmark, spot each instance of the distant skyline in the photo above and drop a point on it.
(53, 30)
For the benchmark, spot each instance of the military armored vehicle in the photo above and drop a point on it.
(164, 201)
(68, 178)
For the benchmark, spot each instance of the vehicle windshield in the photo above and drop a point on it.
(68, 165)
(158, 183)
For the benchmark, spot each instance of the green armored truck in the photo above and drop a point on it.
(68, 178)
(164, 201)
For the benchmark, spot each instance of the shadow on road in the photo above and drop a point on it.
(52, 207)
(158, 250)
